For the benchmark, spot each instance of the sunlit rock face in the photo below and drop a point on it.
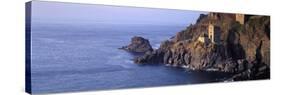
(243, 47)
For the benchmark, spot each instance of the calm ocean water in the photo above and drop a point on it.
(83, 57)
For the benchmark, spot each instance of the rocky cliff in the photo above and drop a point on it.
(240, 49)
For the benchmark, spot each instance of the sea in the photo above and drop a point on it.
(71, 57)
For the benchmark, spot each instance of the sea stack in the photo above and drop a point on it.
(138, 45)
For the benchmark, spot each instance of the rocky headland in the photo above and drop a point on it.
(232, 43)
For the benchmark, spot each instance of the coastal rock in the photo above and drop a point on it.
(233, 54)
(167, 56)
(138, 45)
(252, 72)
(243, 49)
(152, 57)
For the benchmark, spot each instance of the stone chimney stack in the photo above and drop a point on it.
(240, 18)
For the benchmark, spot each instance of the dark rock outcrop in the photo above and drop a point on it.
(151, 57)
(138, 45)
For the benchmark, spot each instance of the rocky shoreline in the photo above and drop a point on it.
(239, 48)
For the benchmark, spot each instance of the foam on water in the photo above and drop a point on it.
(51, 40)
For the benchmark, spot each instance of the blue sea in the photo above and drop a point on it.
(68, 57)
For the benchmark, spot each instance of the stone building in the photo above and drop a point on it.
(213, 15)
(240, 18)
(237, 17)
(203, 38)
(214, 34)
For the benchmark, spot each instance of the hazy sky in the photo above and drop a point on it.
(89, 13)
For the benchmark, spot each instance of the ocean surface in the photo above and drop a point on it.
(69, 57)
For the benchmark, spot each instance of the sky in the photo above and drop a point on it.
(43, 11)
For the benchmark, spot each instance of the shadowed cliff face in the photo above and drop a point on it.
(242, 49)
